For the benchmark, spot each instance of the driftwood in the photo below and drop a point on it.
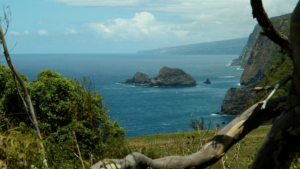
(282, 141)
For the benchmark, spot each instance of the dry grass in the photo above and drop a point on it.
(186, 143)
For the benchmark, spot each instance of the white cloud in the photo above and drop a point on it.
(25, 33)
(141, 25)
(43, 32)
(214, 19)
(70, 31)
(144, 26)
(14, 32)
(197, 20)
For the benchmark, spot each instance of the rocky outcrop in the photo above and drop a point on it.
(261, 53)
(166, 77)
(207, 81)
(139, 78)
(235, 100)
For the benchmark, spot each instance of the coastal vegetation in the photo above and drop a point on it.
(63, 107)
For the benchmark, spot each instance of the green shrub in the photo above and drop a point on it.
(63, 105)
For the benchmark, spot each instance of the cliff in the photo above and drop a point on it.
(235, 100)
(264, 53)
(166, 77)
(245, 54)
(265, 67)
(225, 47)
(243, 58)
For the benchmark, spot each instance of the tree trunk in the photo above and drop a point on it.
(282, 141)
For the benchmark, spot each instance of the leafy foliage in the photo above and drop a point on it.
(20, 147)
(63, 105)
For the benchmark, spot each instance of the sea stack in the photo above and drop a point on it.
(207, 81)
(173, 77)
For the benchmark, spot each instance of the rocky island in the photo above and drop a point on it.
(207, 81)
(173, 77)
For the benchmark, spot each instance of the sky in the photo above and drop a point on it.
(127, 26)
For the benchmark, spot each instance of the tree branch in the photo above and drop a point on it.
(282, 82)
(26, 108)
(268, 28)
(212, 151)
(275, 87)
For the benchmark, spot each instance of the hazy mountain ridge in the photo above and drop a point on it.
(225, 47)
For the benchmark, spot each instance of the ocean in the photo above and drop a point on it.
(145, 110)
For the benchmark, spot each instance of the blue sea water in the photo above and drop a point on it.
(145, 110)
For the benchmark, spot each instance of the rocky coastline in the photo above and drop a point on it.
(257, 57)
(235, 100)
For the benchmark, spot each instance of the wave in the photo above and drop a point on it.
(165, 124)
(226, 76)
(239, 84)
(223, 115)
(228, 64)
(239, 68)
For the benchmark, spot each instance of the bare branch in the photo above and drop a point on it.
(11, 114)
(282, 82)
(268, 28)
(7, 18)
(78, 150)
(212, 151)
(26, 107)
(275, 87)
(270, 96)
(14, 46)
